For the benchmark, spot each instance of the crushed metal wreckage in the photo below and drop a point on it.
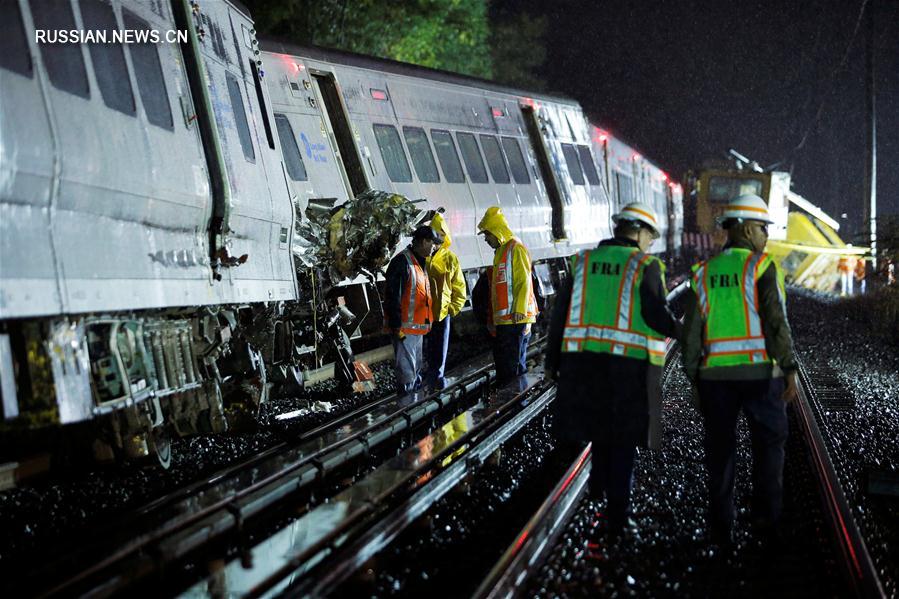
(342, 243)
(355, 238)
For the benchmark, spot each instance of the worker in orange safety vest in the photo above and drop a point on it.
(860, 272)
(408, 306)
(846, 267)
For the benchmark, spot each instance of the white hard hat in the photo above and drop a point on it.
(639, 212)
(746, 207)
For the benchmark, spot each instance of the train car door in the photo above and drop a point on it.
(340, 132)
(546, 170)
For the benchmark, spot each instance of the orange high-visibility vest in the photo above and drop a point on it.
(843, 264)
(415, 307)
(502, 297)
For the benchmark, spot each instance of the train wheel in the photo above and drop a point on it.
(161, 442)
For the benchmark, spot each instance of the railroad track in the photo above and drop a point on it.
(537, 540)
(166, 530)
(314, 555)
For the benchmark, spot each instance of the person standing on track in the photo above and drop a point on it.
(448, 295)
(737, 351)
(512, 295)
(606, 349)
(407, 306)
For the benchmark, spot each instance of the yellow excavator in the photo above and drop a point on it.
(803, 238)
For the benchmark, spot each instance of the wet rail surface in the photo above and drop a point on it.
(173, 525)
(314, 553)
(456, 543)
(670, 551)
(856, 404)
(820, 551)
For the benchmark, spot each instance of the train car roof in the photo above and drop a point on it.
(401, 68)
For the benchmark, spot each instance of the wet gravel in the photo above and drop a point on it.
(463, 534)
(860, 412)
(48, 513)
(670, 552)
(52, 514)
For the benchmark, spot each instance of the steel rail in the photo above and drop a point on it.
(541, 532)
(370, 529)
(539, 535)
(235, 507)
(859, 567)
(536, 538)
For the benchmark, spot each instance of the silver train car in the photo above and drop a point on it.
(149, 194)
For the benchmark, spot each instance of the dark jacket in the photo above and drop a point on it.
(778, 339)
(605, 398)
(397, 275)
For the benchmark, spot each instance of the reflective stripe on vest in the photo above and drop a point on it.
(504, 299)
(621, 336)
(409, 325)
(502, 278)
(752, 344)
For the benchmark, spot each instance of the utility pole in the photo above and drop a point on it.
(870, 200)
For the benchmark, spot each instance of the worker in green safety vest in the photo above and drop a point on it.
(738, 352)
(606, 348)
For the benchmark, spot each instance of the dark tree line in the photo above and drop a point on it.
(461, 36)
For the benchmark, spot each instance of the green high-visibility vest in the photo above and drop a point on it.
(729, 304)
(604, 315)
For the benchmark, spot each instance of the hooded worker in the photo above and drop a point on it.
(511, 293)
(738, 352)
(448, 295)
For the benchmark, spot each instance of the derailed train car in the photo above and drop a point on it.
(149, 197)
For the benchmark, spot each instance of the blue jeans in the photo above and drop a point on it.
(510, 351)
(766, 413)
(408, 365)
(436, 346)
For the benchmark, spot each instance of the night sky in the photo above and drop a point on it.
(685, 81)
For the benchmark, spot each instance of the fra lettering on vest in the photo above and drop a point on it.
(605, 268)
(725, 280)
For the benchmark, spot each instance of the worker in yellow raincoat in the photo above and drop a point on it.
(511, 293)
(448, 295)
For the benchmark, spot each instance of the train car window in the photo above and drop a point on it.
(722, 189)
(472, 157)
(14, 55)
(108, 58)
(516, 160)
(148, 72)
(393, 154)
(296, 168)
(588, 164)
(240, 117)
(625, 189)
(422, 158)
(495, 159)
(574, 164)
(447, 155)
(64, 62)
(660, 202)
